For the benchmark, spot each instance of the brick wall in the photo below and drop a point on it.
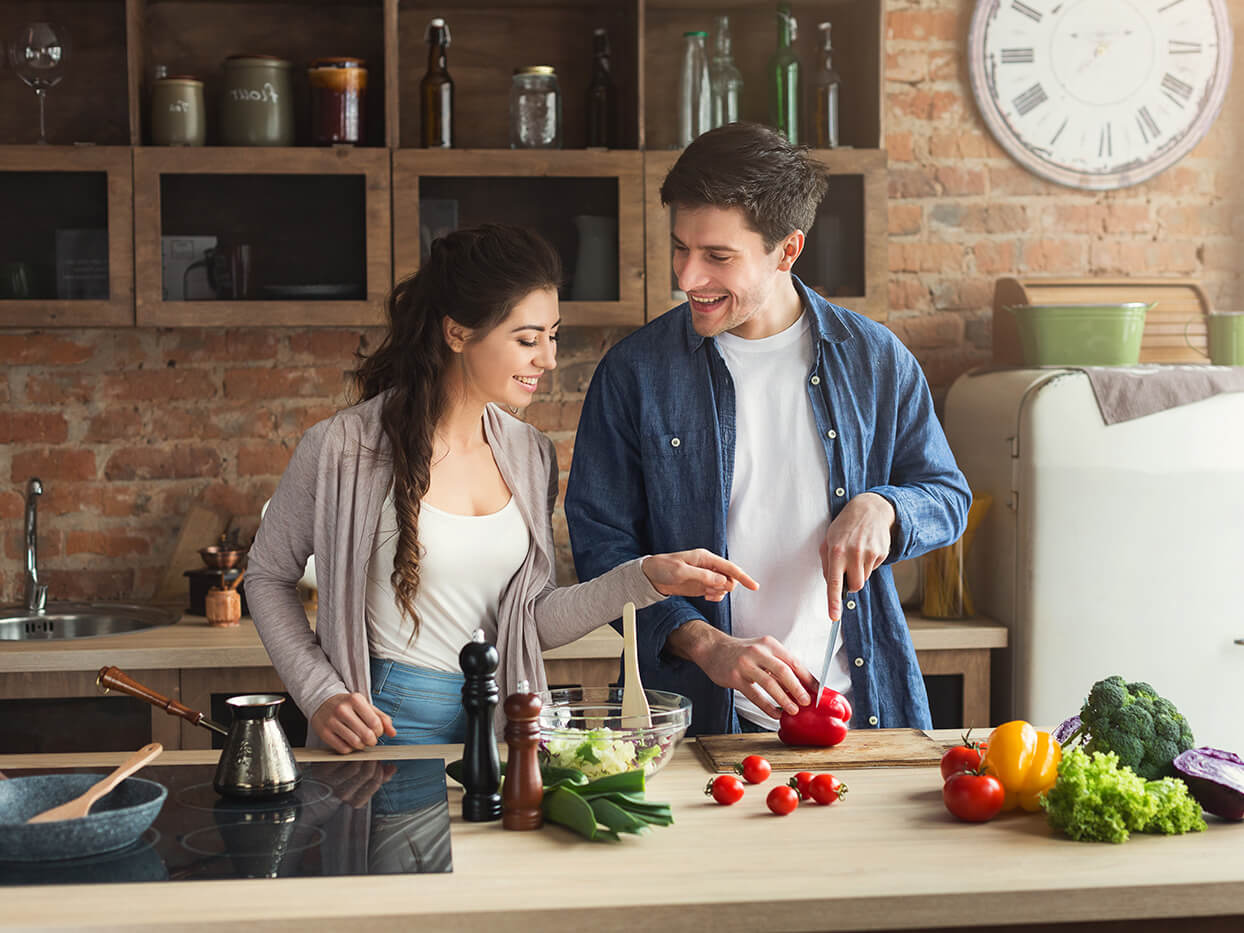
(128, 427)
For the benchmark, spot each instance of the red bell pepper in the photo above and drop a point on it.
(821, 725)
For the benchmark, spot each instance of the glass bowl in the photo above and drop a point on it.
(579, 724)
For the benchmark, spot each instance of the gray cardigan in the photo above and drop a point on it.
(328, 504)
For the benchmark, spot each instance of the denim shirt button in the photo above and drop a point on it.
(872, 720)
(840, 492)
(816, 380)
(859, 662)
(675, 442)
(850, 603)
(831, 434)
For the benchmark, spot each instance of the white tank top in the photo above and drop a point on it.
(465, 562)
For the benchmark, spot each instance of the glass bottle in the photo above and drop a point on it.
(826, 82)
(535, 108)
(437, 90)
(602, 104)
(695, 104)
(725, 79)
(784, 90)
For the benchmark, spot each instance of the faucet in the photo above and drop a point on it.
(36, 592)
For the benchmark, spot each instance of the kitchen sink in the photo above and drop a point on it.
(80, 620)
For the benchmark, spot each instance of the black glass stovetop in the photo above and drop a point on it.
(344, 818)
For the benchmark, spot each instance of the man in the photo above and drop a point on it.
(760, 421)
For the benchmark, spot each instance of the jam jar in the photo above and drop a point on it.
(338, 97)
(535, 109)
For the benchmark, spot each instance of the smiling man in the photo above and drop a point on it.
(760, 420)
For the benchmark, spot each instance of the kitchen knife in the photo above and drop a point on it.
(829, 657)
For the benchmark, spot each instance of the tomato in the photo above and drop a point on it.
(725, 789)
(755, 770)
(966, 757)
(973, 797)
(825, 789)
(800, 782)
(783, 799)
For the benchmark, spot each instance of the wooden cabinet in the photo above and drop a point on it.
(315, 218)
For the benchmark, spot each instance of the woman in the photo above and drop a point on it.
(428, 509)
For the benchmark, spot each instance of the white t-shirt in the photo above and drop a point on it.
(779, 503)
(465, 561)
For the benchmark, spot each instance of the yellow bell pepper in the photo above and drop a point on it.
(1025, 761)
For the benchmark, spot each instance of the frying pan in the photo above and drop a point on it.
(116, 820)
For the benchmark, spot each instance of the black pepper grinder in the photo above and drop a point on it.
(524, 788)
(481, 767)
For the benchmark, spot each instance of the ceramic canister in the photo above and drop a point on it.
(257, 105)
(177, 112)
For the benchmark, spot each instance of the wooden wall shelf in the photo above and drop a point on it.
(119, 42)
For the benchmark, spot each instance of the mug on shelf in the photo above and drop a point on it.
(1225, 336)
(228, 271)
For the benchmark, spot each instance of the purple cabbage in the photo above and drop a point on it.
(1216, 780)
(1066, 729)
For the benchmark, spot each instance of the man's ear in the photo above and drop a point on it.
(789, 249)
(456, 335)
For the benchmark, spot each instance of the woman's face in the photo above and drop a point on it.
(505, 364)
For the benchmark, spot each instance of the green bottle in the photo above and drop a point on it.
(784, 90)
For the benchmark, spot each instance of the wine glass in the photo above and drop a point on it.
(37, 53)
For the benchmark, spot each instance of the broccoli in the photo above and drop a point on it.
(1132, 721)
(1095, 800)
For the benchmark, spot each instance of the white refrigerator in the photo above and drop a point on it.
(1108, 549)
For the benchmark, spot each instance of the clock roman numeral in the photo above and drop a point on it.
(1026, 10)
(1104, 147)
(1178, 91)
(1181, 47)
(1017, 56)
(1026, 102)
(1148, 126)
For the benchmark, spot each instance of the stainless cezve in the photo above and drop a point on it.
(256, 760)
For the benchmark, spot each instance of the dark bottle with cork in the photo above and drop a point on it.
(602, 104)
(481, 767)
(437, 90)
(523, 790)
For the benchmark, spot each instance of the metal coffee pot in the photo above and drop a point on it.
(256, 761)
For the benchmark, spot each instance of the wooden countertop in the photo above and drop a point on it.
(192, 643)
(887, 856)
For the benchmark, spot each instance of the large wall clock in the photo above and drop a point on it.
(1099, 93)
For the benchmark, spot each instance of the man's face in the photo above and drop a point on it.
(723, 266)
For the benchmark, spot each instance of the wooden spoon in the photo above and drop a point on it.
(636, 713)
(81, 805)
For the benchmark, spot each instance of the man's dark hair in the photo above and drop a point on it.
(750, 166)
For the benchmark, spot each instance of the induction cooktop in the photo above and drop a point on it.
(347, 817)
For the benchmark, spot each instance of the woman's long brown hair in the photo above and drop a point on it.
(475, 276)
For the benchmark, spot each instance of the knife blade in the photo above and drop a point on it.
(829, 657)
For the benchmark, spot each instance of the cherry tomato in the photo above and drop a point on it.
(800, 782)
(725, 789)
(965, 757)
(973, 797)
(755, 770)
(825, 789)
(783, 799)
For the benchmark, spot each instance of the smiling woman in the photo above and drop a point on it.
(428, 509)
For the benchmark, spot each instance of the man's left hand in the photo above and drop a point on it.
(856, 543)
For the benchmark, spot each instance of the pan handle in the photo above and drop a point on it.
(113, 678)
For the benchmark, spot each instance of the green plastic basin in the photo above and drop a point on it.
(1081, 335)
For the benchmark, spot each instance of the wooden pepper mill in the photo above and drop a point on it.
(222, 604)
(523, 790)
(481, 767)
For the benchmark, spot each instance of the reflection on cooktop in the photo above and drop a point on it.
(347, 817)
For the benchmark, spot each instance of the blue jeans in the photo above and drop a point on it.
(425, 706)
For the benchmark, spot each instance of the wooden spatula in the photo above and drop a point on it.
(635, 711)
(81, 805)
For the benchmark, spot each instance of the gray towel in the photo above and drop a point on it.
(1126, 392)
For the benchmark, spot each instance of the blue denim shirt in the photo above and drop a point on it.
(654, 460)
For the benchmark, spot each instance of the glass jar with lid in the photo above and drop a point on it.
(338, 96)
(535, 109)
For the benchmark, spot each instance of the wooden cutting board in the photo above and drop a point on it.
(862, 748)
